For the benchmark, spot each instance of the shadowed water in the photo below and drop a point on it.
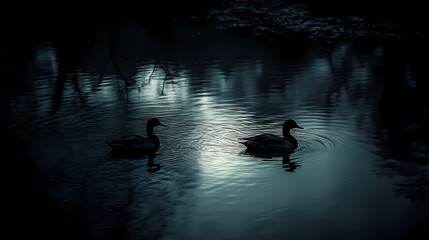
(212, 88)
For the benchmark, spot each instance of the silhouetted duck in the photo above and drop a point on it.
(135, 144)
(270, 142)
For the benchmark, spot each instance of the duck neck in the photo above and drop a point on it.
(151, 135)
(289, 138)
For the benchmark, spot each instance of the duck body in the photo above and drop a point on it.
(270, 142)
(135, 144)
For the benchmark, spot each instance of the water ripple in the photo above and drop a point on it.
(208, 106)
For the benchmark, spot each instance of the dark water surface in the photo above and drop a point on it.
(357, 173)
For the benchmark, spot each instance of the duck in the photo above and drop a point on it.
(270, 142)
(135, 144)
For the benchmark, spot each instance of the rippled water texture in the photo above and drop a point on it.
(268, 18)
(212, 88)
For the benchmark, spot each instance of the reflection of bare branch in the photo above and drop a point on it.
(118, 69)
(113, 54)
(154, 68)
(59, 87)
(168, 75)
(163, 84)
(163, 68)
(100, 80)
(63, 72)
(76, 86)
(113, 40)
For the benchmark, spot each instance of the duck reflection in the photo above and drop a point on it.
(153, 167)
(151, 155)
(288, 163)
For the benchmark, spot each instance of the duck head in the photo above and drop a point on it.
(289, 124)
(154, 122)
(151, 124)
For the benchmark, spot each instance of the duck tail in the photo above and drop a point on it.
(115, 146)
(244, 138)
(249, 145)
(110, 142)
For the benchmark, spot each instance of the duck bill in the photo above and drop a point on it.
(160, 124)
(299, 127)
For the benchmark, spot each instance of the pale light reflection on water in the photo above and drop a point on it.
(331, 187)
